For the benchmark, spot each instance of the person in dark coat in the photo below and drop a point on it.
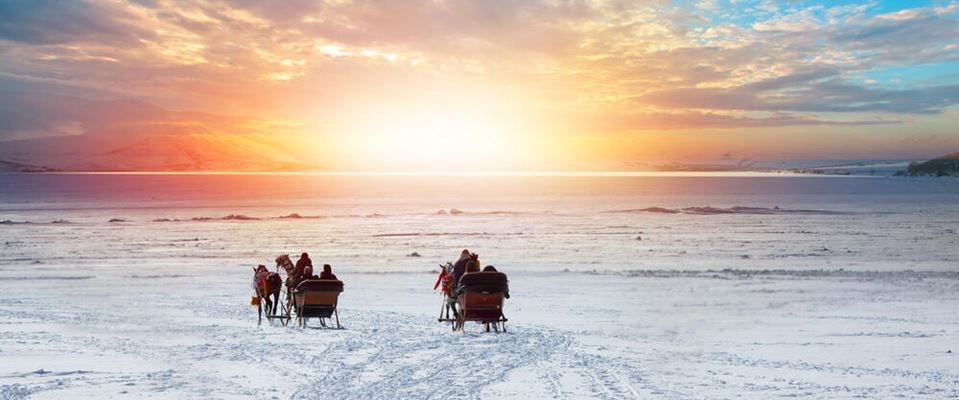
(327, 272)
(460, 267)
(308, 273)
(299, 271)
(490, 268)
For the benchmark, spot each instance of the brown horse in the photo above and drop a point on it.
(267, 284)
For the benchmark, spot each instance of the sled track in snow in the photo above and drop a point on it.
(414, 359)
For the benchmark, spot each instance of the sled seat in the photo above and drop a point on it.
(481, 297)
(317, 298)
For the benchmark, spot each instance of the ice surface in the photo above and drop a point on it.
(853, 297)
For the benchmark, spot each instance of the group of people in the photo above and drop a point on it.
(467, 263)
(303, 270)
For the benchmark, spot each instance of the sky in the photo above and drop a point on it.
(513, 85)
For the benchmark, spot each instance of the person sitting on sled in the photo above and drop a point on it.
(490, 268)
(472, 265)
(327, 273)
(466, 263)
(308, 273)
(299, 272)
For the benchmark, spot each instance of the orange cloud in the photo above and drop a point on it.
(530, 76)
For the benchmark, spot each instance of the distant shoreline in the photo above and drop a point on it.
(759, 174)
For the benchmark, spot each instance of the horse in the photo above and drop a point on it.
(450, 289)
(444, 282)
(267, 284)
(284, 261)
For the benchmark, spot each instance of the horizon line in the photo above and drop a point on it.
(458, 173)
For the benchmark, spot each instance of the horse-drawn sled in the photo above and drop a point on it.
(305, 296)
(479, 297)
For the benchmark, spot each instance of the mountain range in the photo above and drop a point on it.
(43, 132)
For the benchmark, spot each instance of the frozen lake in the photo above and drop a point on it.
(623, 287)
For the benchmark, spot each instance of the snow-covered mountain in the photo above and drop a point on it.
(41, 131)
(947, 165)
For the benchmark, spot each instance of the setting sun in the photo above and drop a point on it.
(433, 130)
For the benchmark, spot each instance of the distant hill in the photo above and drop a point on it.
(42, 132)
(6, 166)
(947, 165)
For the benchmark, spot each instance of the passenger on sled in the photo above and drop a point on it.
(468, 262)
(327, 273)
(299, 272)
(490, 268)
(502, 284)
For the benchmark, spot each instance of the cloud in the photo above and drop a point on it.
(653, 58)
(707, 120)
(912, 36)
(51, 22)
(805, 95)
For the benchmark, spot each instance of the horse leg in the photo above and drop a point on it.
(453, 306)
(276, 302)
(259, 311)
(289, 299)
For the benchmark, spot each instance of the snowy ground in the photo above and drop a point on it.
(836, 289)
(573, 335)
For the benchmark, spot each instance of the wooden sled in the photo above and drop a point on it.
(317, 298)
(481, 300)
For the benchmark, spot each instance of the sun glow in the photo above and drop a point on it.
(446, 134)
